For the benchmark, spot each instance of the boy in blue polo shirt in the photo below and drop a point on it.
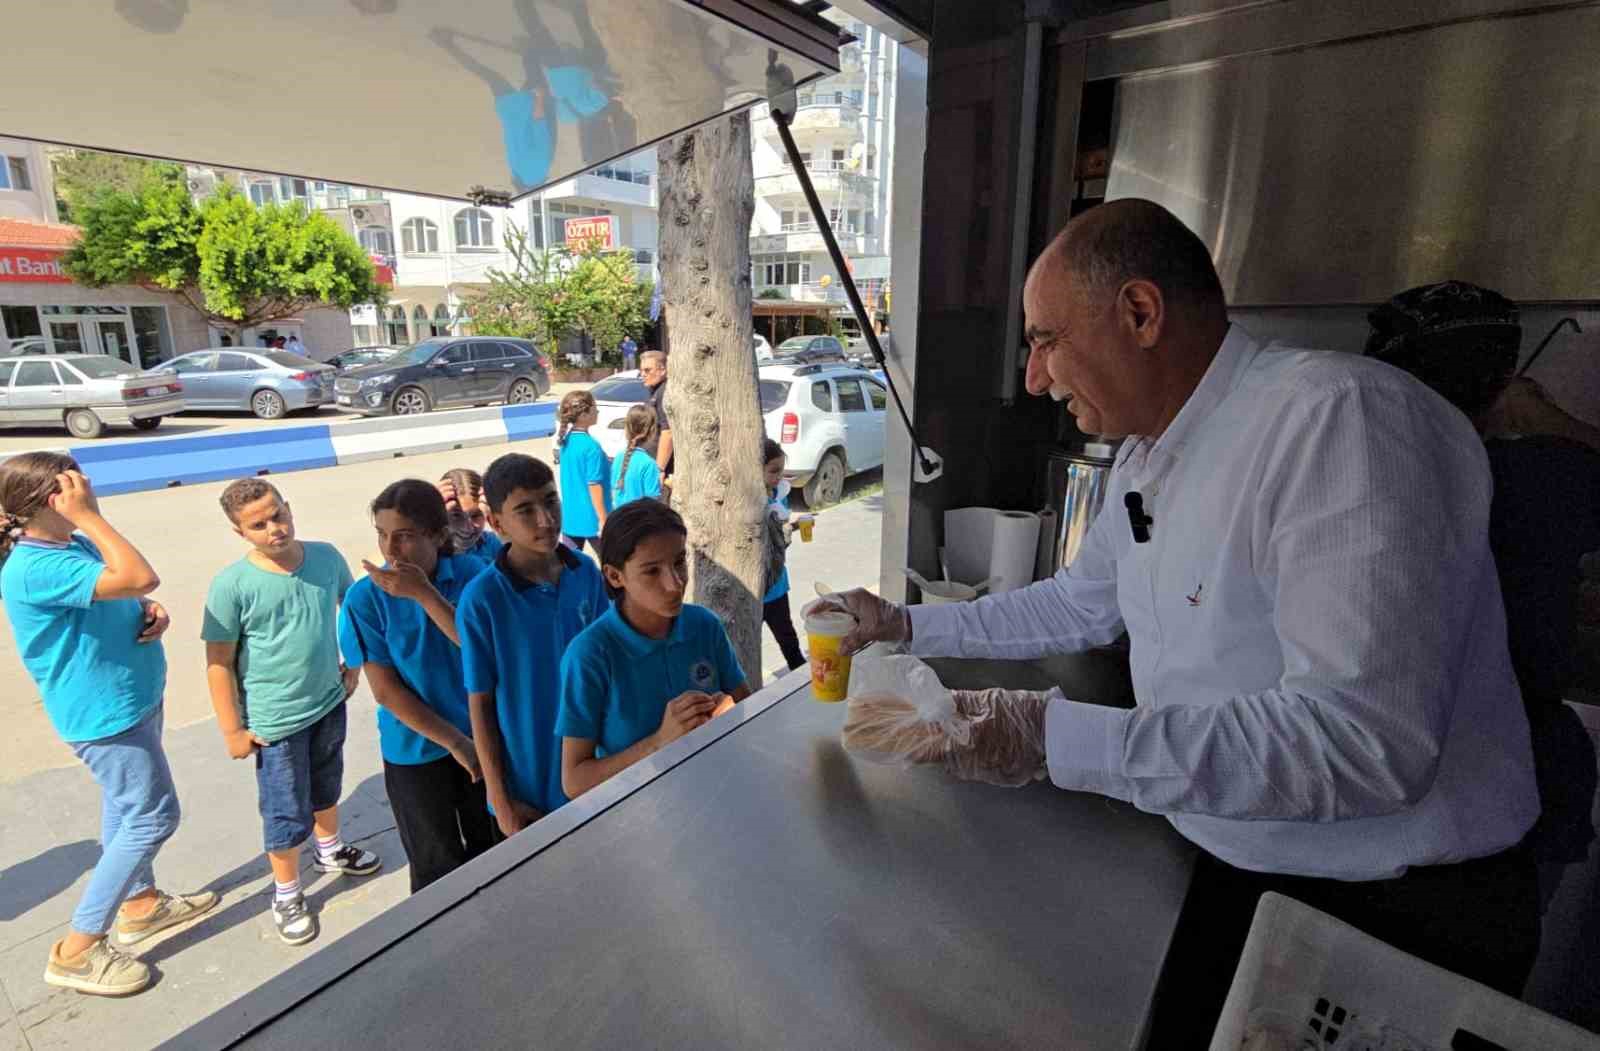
(515, 621)
(652, 668)
(399, 624)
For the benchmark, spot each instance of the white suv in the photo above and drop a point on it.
(829, 420)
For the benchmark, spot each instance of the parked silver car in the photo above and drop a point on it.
(268, 383)
(84, 393)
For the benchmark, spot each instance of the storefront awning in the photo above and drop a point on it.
(505, 96)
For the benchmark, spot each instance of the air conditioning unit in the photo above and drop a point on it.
(359, 214)
(202, 183)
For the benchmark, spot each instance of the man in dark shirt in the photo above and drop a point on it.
(653, 371)
(1464, 342)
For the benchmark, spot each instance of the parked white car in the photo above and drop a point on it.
(763, 349)
(85, 393)
(829, 420)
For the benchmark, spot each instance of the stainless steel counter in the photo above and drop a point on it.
(754, 886)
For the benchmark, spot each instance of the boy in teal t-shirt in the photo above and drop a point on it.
(278, 687)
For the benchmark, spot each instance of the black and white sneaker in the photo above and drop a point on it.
(350, 860)
(296, 925)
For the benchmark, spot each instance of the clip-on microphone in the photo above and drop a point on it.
(1138, 521)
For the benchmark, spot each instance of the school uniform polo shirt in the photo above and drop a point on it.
(396, 633)
(485, 547)
(616, 683)
(94, 675)
(513, 633)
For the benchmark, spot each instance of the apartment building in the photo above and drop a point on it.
(844, 128)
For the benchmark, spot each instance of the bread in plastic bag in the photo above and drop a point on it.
(900, 714)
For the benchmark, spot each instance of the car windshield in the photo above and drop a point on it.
(774, 394)
(288, 360)
(102, 368)
(417, 353)
(621, 388)
(797, 343)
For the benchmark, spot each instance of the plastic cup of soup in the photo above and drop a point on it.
(830, 669)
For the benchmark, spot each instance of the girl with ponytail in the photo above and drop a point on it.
(636, 477)
(585, 470)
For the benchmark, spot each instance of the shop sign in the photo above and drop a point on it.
(594, 231)
(39, 265)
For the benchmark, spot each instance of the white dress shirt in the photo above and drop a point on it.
(1318, 640)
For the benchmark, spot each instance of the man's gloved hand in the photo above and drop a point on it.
(1005, 742)
(877, 619)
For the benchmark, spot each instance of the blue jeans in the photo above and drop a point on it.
(138, 813)
(298, 776)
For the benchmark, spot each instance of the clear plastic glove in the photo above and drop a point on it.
(994, 736)
(877, 619)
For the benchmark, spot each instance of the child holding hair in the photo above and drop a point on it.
(635, 475)
(585, 472)
(515, 620)
(462, 490)
(775, 603)
(278, 688)
(652, 668)
(74, 595)
(399, 623)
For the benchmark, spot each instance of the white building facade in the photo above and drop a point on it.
(844, 128)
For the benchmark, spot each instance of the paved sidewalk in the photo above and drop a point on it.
(49, 819)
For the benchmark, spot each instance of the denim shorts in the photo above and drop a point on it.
(298, 776)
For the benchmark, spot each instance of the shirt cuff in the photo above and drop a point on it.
(935, 630)
(1083, 746)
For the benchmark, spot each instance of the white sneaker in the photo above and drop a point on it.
(296, 925)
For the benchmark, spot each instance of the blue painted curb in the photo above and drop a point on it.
(128, 467)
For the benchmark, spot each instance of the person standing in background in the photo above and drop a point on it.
(630, 353)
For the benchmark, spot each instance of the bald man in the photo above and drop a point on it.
(1325, 702)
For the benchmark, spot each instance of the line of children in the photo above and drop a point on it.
(515, 621)
(653, 667)
(585, 471)
(74, 592)
(775, 603)
(399, 624)
(279, 690)
(462, 490)
(634, 475)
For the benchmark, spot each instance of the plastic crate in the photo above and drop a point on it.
(1309, 981)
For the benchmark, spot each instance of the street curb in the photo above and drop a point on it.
(159, 463)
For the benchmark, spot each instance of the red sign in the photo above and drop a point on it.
(32, 264)
(594, 231)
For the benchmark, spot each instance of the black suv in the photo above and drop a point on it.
(446, 371)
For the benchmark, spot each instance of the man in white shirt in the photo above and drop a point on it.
(294, 346)
(1325, 702)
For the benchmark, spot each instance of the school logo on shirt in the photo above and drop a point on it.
(703, 674)
(586, 611)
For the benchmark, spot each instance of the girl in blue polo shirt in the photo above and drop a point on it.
(399, 626)
(74, 593)
(652, 667)
(462, 489)
(585, 470)
(635, 475)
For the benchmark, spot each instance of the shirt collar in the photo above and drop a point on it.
(635, 644)
(1227, 368)
(569, 560)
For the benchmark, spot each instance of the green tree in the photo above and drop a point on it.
(237, 264)
(550, 295)
(82, 175)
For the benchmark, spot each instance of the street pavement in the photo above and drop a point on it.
(192, 424)
(49, 807)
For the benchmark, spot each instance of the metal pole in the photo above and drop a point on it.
(781, 119)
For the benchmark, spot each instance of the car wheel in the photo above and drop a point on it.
(410, 401)
(148, 424)
(83, 423)
(827, 485)
(267, 404)
(522, 392)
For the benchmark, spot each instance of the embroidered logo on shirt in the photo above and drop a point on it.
(585, 611)
(1194, 598)
(703, 674)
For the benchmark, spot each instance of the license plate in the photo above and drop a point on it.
(158, 390)
(344, 399)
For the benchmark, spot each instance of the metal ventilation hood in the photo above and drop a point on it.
(410, 95)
